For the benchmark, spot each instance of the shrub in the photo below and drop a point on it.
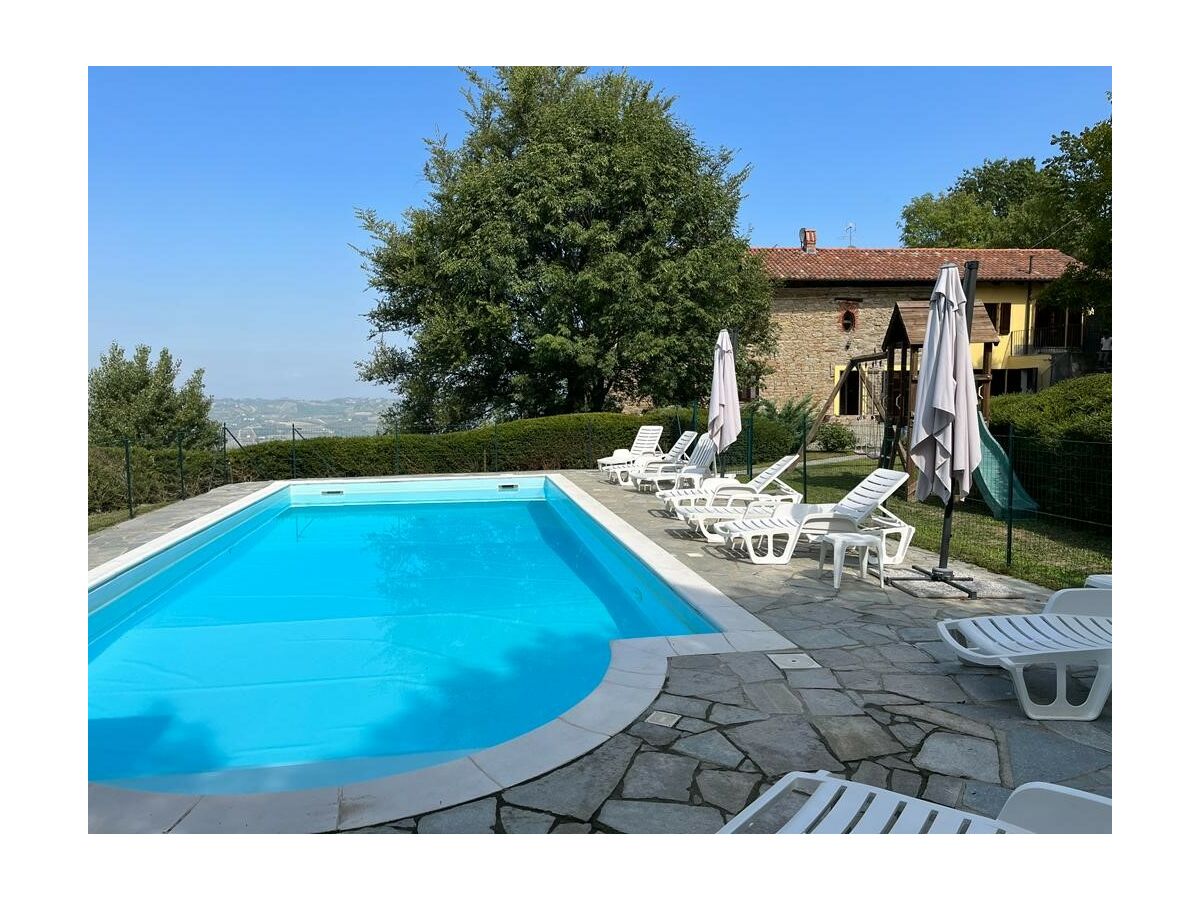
(554, 442)
(1062, 445)
(835, 438)
(795, 415)
(1078, 409)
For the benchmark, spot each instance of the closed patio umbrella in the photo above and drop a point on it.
(945, 435)
(724, 413)
(944, 447)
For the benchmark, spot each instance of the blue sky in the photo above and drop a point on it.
(221, 201)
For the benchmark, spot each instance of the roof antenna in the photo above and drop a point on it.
(849, 229)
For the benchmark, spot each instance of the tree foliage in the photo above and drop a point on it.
(1066, 203)
(579, 248)
(130, 398)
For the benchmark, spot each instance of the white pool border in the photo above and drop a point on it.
(634, 679)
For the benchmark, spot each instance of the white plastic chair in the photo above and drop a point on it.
(1073, 629)
(646, 441)
(1099, 581)
(772, 540)
(716, 489)
(620, 473)
(734, 501)
(692, 472)
(835, 806)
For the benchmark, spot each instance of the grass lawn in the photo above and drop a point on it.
(98, 521)
(1048, 551)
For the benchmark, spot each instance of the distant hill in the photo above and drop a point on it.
(255, 419)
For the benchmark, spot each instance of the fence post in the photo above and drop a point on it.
(750, 447)
(1012, 468)
(293, 450)
(396, 450)
(225, 451)
(804, 465)
(182, 483)
(128, 478)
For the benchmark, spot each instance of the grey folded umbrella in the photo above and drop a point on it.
(945, 436)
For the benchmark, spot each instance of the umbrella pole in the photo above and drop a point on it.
(947, 530)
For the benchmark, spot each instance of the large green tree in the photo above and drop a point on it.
(1066, 203)
(135, 399)
(579, 248)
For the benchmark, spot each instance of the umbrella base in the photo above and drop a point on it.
(937, 573)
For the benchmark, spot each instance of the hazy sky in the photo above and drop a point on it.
(221, 201)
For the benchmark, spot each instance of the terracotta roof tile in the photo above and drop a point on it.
(918, 264)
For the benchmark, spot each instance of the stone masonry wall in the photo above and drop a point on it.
(812, 342)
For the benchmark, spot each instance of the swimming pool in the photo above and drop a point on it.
(334, 632)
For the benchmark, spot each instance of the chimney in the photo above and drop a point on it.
(808, 240)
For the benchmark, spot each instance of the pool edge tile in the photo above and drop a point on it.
(284, 812)
(118, 811)
(696, 644)
(744, 641)
(536, 752)
(610, 707)
(412, 793)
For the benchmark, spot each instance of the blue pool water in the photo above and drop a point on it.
(316, 639)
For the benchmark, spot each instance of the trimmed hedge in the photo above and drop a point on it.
(1078, 409)
(554, 442)
(1062, 450)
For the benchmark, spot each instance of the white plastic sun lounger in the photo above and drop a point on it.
(619, 474)
(771, 540)
(727, 502)
(1099, 581)
(718, 490)
(835, 806)
(694, 471)
(646, 441)
(1073, 629)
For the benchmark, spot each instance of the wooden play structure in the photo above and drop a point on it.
(904, 338)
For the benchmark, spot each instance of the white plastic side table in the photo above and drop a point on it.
(842, 541)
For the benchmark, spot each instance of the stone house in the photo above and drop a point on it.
(835, 303)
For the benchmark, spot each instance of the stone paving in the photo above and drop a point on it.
(871, 694)
(879, 700)
(111, 542)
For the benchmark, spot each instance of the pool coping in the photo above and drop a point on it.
(635, 676)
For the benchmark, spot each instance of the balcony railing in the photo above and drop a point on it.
(1048, 338)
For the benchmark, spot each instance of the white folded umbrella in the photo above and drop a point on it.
(724, 411)
(945, 435)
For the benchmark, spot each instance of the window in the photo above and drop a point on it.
(848, 313)
(1001, 316)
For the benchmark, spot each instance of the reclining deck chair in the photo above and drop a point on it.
(694, 471)
(835, 806)
(860, 510)
(736, 501)
(1073, 629)
(676, 499)
(619, 473)
(646, 441)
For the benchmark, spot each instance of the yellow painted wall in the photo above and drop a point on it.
(1022, 309)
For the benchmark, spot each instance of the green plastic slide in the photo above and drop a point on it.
(992, 479)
